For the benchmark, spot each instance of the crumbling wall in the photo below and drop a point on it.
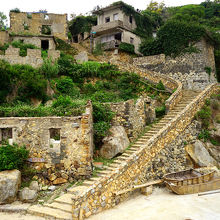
(64, 144)
(4, 37)
(33, 57)
(133, 115)
(190, 69)
(35, 40)
(32, 23)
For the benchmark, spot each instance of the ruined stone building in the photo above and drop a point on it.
(114, 26)
(39, 29)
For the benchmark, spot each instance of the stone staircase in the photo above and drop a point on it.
(61, 208)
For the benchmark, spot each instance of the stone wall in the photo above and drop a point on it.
(4, 37)
(35, 40)
(133, 115)
(187, 68)
(61, 145)
(100, 195)
(173, 157)
(33, 57)
(23, 22)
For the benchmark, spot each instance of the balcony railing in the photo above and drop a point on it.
(102, 28)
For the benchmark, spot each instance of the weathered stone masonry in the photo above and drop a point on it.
(99, 196)
(64, 142)
(133, 116)
(187, 68)
(33, 57)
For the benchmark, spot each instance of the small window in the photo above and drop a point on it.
(26, 27)
(115, 17)
(46, 29)
(107, 19)
(131, 40)
(131, 19)
(46, 17)
(55, 134)
(6, 134)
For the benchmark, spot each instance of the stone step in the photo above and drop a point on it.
(63, 207)
(88, 183)
(76, 189)
(66, 198)
(49, 212)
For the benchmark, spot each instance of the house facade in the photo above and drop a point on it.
(114, 27)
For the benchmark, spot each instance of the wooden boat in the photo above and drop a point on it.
(188, 177)
(192, 181)
(195, 188)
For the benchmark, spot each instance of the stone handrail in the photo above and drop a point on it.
(100, 195)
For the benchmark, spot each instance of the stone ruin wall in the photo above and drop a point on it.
(33, 57)
(4, 37)
(187, 68)
(133, 115)
(34, 22)
(60, 146)
(134, 170)
(35, 40)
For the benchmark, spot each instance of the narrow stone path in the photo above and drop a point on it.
(61, 207)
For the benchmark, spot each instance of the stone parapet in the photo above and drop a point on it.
(132, 171)
(33, 57)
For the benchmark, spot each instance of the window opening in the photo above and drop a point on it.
(6, 134)
(107, 19)
(45, 44)
(130, 19)
(55, 133)
(131, 40)
(46, 17)
(46, 29)
(115, 17)
(26, 27)
(118, 36)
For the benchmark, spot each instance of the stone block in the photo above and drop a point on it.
(10, 181)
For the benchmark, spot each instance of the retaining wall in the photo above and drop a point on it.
(100, 196)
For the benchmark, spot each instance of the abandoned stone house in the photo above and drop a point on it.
(38, 29)
(113, 27)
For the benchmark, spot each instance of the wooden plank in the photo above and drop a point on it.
(138, 187)
(208, 193)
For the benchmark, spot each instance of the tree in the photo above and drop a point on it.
(156, 7)
(3, 20)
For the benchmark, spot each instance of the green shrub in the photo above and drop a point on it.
(160, 111)
(64, 101)
(102, 116)
(65, 63)
(66, 86)
(49, 68)
(129, 48)
(160, 86)
(98, 50)
(16, 10)
(12, 157)
(208, 70)
(205, 115)
(23, 47)
(103, 96)
(204, 135)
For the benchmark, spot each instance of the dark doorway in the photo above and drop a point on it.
(45, 44)
(118, 36)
